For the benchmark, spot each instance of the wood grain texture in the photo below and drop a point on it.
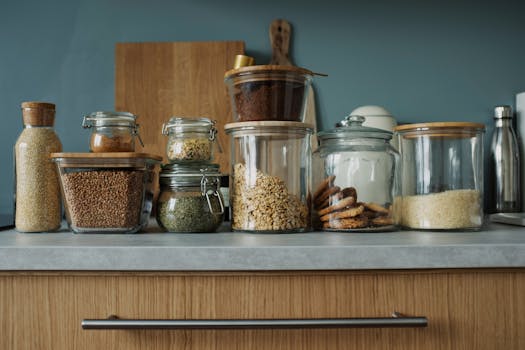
(466, 309)
(159, 80)
(280, 38)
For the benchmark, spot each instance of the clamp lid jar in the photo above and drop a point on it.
(190, 199)
(190, 139)
(112, 131)
(355, 178)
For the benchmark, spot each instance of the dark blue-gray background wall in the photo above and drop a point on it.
(423, 60)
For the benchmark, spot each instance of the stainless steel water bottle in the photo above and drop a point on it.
(504, 164)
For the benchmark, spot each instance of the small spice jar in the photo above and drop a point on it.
(356, 179)
(190, 199)
(442, 175)
(112, 131)
(190, 139)
(270, 184)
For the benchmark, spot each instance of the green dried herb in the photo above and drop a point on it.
(189, 214)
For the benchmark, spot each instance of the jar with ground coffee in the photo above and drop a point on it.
(37, 190)
(190, 140)
(190, 199)
(112, 131)
(268, 92)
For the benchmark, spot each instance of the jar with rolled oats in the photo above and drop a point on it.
(270, 176)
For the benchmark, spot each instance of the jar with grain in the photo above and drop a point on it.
(271, 170)
(37, 189)
(190, 199)
(442, 175)
(107, 192)
(190, 140)
(356, 179)
(112, 131)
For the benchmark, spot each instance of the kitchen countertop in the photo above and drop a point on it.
(497, 246)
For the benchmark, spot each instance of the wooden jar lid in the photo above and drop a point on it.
(440, 129)
(36, 113)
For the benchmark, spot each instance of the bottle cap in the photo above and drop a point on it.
(503, 112)
(38, 113)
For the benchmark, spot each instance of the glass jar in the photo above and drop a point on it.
(268, 92)
(190, 139)
(442, 186)
(270, 176)
(355, 179)
(37, 188)
(112, 131)
(190, 198)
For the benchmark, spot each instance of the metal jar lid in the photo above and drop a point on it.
(175, 174)
(206, 176)
(110, 118)
(351, 127)
(179, 125)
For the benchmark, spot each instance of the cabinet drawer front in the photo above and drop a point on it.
(465, 309)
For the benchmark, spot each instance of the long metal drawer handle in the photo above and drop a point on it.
(397, 320)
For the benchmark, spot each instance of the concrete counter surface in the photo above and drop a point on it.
(497, 246)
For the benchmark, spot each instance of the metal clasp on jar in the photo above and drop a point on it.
(211, 192)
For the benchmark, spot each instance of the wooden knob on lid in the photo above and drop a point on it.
(38, 113)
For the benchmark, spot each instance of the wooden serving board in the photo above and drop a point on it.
(186, 79)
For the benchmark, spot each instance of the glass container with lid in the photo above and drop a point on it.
(442, 175)
(355, 178)
(190, 139)
(268, 92)
(270, 183)
(112, 131)
(190, 199)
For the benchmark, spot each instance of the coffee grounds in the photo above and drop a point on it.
(270, 100)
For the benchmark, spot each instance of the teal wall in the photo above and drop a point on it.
(422, 60)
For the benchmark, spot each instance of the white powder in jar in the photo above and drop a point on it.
(453, 209)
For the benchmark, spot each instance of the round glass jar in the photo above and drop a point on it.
(442, 175)
(355, 179)
(112, 131)
(268, 92)
(270, 183)
(190, 139)
(190, 199)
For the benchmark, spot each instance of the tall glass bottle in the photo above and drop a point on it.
(37, 192)
(504, 164)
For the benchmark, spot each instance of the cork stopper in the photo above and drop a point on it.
(38, 113)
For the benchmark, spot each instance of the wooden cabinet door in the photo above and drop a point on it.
(465, 309)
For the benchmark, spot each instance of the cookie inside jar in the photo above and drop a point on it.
(356, 181)
(340, 209)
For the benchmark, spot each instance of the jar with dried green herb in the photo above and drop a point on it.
(190, 140)
(190, 199)
(37, 190)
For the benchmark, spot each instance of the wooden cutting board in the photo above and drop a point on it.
(159, 80)
(280, 38)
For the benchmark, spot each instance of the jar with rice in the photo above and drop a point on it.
(442, 175)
